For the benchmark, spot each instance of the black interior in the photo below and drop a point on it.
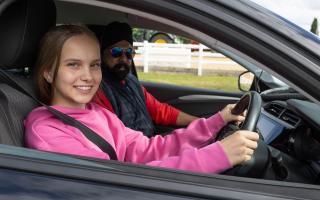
(22, 23)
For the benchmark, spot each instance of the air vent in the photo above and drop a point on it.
(275, 109)
(290, 118)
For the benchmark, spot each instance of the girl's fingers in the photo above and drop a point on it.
(249, 151)
(240, 118)
(250, 135)
(247, 158)
(251, 144)
(244, 113)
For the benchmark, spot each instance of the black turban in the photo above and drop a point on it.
(115, 32)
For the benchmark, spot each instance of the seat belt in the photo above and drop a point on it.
(90, 134)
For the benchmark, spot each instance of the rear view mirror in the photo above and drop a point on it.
(245, 81)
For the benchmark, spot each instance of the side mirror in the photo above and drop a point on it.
(245, 81)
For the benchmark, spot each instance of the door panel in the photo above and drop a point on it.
(19, 185)
(195, 101)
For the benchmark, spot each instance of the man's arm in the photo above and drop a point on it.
(164, 114)
(184, 119)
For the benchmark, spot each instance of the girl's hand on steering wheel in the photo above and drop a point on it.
(240, 146)
(229, 117)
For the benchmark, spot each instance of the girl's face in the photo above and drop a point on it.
(79, 73)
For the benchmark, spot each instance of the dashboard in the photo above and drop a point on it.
(292, 126)
(269, 127)
(276, 118)
(292, 129)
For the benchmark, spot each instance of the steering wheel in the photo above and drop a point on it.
(258, 163)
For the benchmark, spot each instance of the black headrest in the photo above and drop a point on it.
(22, 24)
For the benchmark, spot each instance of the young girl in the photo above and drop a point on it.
(69, 74)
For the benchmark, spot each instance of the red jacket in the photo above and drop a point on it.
(161, 113)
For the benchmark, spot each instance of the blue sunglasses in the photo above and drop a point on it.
(116, 52)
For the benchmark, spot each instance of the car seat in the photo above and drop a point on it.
(23, 23)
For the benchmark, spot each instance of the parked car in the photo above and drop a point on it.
(256, 38)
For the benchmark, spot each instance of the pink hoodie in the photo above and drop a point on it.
(186, 149)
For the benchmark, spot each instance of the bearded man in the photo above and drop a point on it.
(122, 93)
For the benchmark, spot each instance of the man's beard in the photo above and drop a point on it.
(120, 71)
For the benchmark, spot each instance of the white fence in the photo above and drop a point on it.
(186, 56)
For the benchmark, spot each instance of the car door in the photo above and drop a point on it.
(31, 174)
(256, 35)
(39, 175)
(196, 101)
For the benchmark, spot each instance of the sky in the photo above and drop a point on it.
(300, 12)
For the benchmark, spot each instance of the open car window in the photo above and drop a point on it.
(278, 54)
(172, 59)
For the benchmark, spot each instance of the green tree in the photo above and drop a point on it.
(140, 34)
(183, 40)
(314, 26)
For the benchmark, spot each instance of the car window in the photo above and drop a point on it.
(167, 58)
(161, 57)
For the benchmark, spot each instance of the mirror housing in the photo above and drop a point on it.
(245, 81)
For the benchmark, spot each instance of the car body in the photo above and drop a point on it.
(242, 30)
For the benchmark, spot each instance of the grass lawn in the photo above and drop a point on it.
(227, 83)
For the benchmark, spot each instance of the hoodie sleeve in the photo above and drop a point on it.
(186, 149)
